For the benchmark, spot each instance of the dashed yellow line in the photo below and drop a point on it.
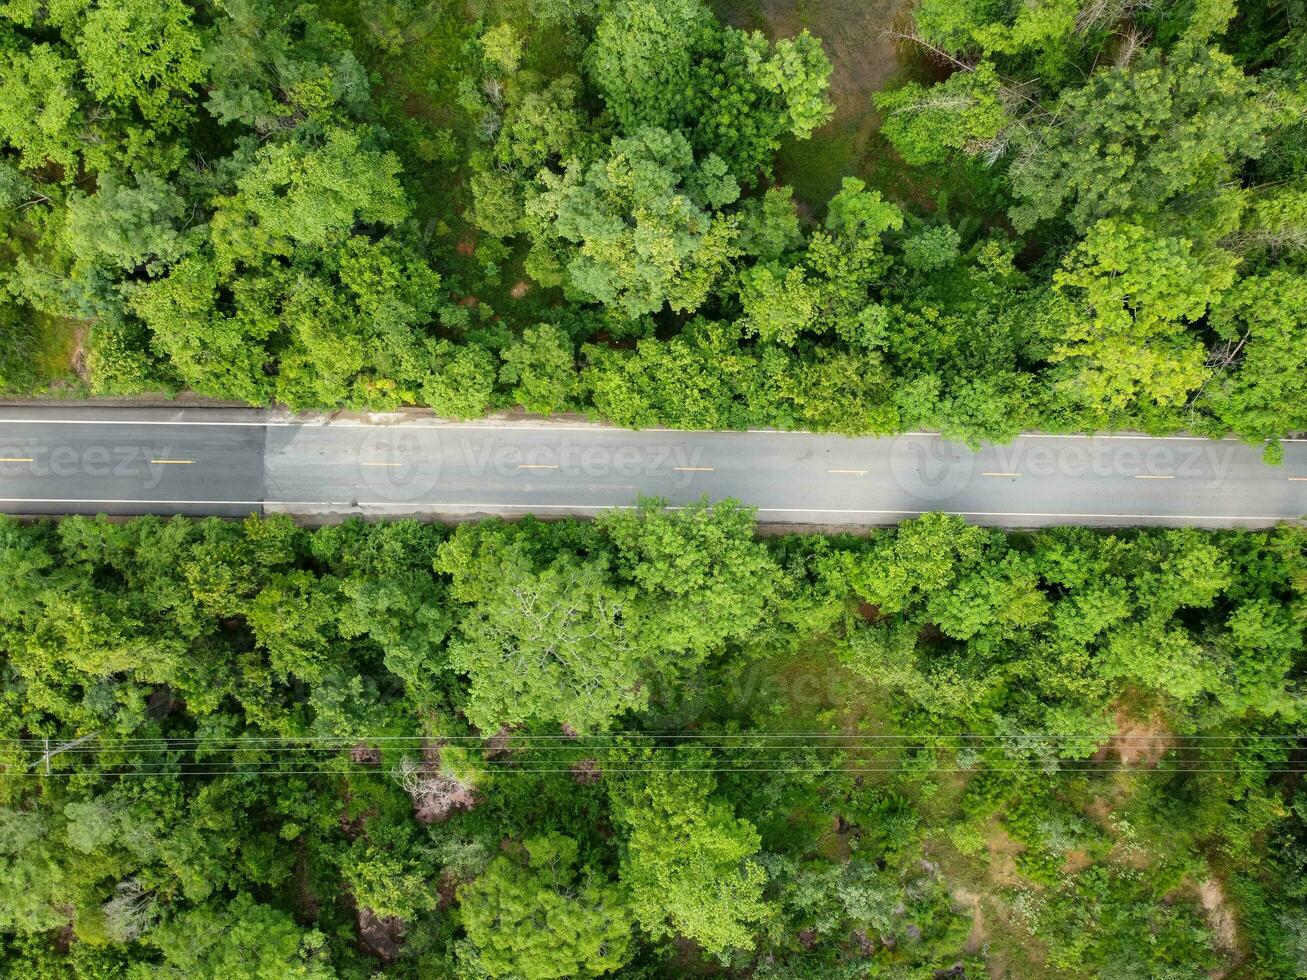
(1150, 476)
(694, 469)
(537, 466)
(1299, 479)
(171, 462)
(1000, 474)
(849, 472)
(382, 464)
(16, 459)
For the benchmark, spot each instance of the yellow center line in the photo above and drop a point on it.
(1149, 476)
(537, 466)
(849, 472)
(382, 464)
(171, 462)
(1299, 479)
(694, 469)
(16, 459)
(1000, 474)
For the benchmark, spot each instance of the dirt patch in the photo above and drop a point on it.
(1100, 811)
(363, 754)
(1219, 915)
(870, 612)
(1076, 862)
(77, 360)
(382, 938)
(586, 772)
(1138, 743)
(979, 935)
(496, 746)
(520, 289)
(307, 905)
(1003, 851)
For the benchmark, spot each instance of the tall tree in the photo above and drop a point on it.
(640, 229)
(539, 916)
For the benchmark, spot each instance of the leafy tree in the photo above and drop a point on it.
(244, 939)
(668, 64)
(689, 862)
(642, 57)
(143, 52)
(462, 381)
(964, 112)
(270, 66)
(290, 281)
(40, 114)
(128, 226)
(698, 571)
(306, 193)
(1261, 358)
(1162, 138)
(546, 643)
(640, 229)
(1135, 293)
(541, 367)
(384, 871)
(539, 916)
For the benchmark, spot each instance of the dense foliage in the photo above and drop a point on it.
(651, 745)
(570, 206)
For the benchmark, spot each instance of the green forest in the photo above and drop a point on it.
(653, 745)
(658, 744)
(1063, 214)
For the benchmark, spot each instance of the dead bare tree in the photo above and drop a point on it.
(132, 912)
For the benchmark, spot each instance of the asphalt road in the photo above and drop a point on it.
(92, 459)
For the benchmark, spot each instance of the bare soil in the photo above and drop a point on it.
(1138, 743)
(1003, 851)
(862, 61)
(1219, 915)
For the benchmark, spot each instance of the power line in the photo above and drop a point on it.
(266, 769)
(619, 736)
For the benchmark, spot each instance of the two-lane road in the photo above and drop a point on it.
(93, 459)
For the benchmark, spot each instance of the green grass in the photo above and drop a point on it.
(37, 352)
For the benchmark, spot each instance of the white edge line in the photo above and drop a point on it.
(436, 505)
(546, 427)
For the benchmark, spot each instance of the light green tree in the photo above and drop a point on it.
(538, 916)
(242, 940)
(142, 52)
(689, 862)
(1259, 388)
(965, 113)
(640, 229)
(1131, 296)
(540, 367)
(547, 642)
(39, 112)
(1161, 138)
